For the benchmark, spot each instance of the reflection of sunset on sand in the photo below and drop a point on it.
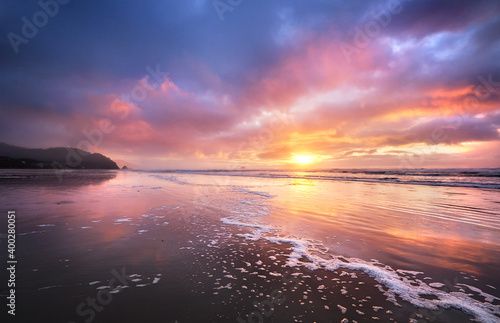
(407, 224)
(208, 230)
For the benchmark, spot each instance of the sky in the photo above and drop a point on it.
(232, 84)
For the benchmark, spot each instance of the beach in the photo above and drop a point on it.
(254, 246)
(250, 161)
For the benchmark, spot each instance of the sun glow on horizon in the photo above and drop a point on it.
(304, 159)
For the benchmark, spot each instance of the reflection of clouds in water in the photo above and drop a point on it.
(60, 180)
(313, 255)
(315, 206)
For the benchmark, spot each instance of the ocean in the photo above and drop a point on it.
(343, 245)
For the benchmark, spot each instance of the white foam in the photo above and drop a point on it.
(103, 287)
(395, 281)
(25, 233)
(172, 179)
(48, 287)
(228, 286)
(488, 298)
(410, 272)
(124, 220)
(262, 194)
(398, 282)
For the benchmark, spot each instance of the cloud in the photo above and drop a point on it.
(270, 80)
(447, 131)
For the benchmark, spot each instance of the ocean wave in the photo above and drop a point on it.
(474, 178)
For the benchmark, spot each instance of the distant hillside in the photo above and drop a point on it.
(19, 157)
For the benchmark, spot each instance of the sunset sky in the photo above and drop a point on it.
(255, 84)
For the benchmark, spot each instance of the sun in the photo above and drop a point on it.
(303, 159)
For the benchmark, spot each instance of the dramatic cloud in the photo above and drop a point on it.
(188, 84)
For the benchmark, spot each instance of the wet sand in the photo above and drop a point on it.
(197, 250)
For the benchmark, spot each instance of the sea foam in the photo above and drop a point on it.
(310, 254)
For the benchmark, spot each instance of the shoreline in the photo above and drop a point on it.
(192, 245)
